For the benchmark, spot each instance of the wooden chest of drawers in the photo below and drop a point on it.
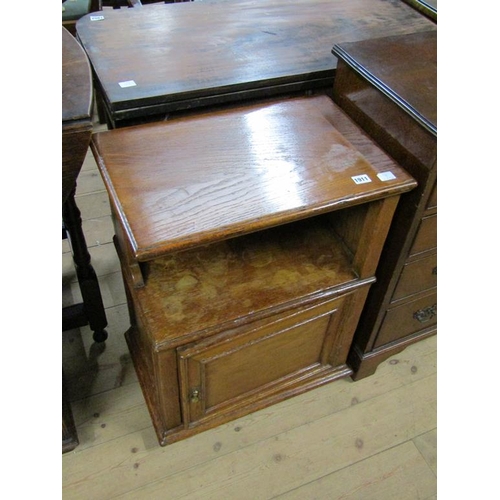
(248, 240)
(388, 86)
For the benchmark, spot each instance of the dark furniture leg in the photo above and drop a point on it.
(91, 312)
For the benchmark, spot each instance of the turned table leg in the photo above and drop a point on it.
(92, 307)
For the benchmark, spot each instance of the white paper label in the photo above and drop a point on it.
(96, 18)
(361, 179)
(386, 176)
(129, 83)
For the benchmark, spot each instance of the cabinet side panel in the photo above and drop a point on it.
(157, 371)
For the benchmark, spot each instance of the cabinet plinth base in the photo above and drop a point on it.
(365, 364)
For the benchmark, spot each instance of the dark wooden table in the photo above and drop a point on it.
(76, 132)
(77, 98)
(157, 59)
(76, 110)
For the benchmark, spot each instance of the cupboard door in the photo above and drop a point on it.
(239, 367)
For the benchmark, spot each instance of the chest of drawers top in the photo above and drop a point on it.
(404, 68)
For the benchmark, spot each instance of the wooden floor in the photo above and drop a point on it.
(371, 439)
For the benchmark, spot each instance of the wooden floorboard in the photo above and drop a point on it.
(398, 473)
(371, 439)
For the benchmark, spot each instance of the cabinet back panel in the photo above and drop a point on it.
(194, 290)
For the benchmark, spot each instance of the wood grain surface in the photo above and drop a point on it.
(148, 59)
(202, 179)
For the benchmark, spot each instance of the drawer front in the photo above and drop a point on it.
(408, 318)
(417, 276)
(234, 368)
(426, 238)
(432, 201)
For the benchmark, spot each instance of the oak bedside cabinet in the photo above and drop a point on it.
(248, 240)
(388, 86)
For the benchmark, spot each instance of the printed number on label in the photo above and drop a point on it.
(361, 179)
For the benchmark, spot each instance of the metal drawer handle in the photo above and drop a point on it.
(194, 396)
(426, 314)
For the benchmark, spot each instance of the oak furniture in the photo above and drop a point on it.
(248, 240)
(76, 132)
(159, 59)
(388, 86)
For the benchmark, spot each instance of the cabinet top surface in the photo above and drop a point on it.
(201, 179)
(403, 67)
(163, 53)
